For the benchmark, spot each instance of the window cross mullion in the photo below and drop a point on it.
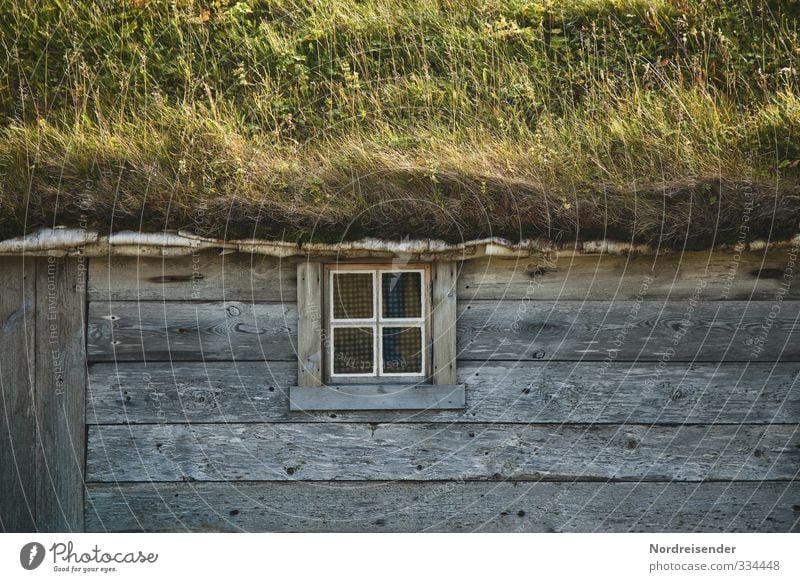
(399, 341)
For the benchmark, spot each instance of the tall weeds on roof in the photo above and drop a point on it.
(655, 121)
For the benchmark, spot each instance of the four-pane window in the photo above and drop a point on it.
(377, 322)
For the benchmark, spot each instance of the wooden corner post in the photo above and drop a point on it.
(43, 381)
(60, 393)
(17, 385)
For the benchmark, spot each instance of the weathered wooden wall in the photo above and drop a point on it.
(43, 381)
(17, 380)
(604, 393)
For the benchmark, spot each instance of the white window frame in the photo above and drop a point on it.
(377, 323)
(437, 390)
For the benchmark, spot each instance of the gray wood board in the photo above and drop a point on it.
(60, 393)
(231, 330)
(496, 392)
(444, 507)
(377, 397)
(17, 380)
(321, 452)
(712, 275)
(487, 330)
(444, 313)
(206, 275)
(310, 324)
(629, 330)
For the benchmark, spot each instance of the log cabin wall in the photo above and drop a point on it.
(604, 393)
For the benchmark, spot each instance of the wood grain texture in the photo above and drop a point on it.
(377, 397)
(17, 380)
(487, 330)
(717, 275)
(604, 394)
(189, 392)
(666, 331)
(207, 275)
(60, 393)
(727, 275)
(309, 323)
(496, 392)
(443, 315)
(131, 331)
(444, 507)
(363, 452)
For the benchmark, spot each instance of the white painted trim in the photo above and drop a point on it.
(381, 374)
(372, 374)
(378, 322)
(375, 304)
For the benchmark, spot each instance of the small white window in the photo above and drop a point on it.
(376, 337)
(377, 323)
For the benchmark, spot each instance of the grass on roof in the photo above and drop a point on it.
(669, 122)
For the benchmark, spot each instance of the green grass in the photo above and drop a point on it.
(652, 121)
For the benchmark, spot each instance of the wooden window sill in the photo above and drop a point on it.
(378, 397)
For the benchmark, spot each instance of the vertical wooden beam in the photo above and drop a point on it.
(443, 279)
(60, 393)
(309, 323)
(17, 375)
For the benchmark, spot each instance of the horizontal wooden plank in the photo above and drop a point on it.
(629, 330)
(130, 330)
(444, 507)
(377, 397)
(713, 275)
(496, 392)
(189, 392)
(487, 330)
(321, 452)
(206, 275)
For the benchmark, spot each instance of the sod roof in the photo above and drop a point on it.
(666, 123)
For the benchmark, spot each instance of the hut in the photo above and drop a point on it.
(170, 382)
(399, 265)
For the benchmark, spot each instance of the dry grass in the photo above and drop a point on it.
(656, 122)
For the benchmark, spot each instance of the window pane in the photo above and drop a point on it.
(402, 350)
(401, 294)
(352, 350)
(352, 296)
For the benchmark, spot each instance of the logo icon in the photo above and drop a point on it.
(31, 555)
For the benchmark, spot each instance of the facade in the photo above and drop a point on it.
(155, 384)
